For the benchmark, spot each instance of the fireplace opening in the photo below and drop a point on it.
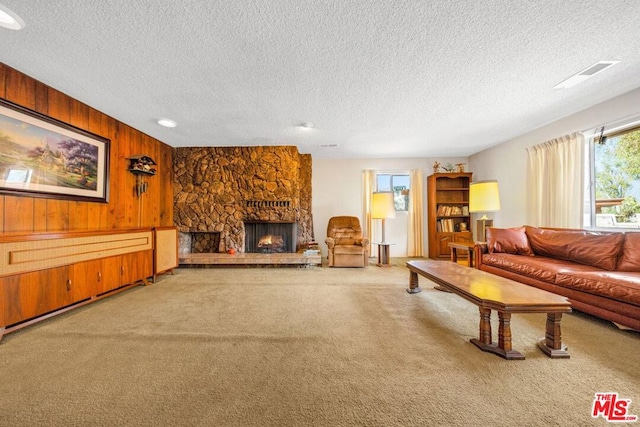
(200, 242)
(270, 237)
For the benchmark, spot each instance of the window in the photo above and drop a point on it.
(399, 184)
(615, 180)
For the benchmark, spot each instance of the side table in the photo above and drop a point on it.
(383, 254)
(463, 246)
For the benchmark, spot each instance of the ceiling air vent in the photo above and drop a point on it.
(328, 145)
(585, 74)
(596, 68)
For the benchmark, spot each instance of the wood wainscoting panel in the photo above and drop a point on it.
(18, 214)
(1, 214)
(124, 208)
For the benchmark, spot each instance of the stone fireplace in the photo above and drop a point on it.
(223, 190)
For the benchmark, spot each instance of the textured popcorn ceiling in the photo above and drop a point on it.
(380, 78)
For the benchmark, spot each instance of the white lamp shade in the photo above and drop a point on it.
(382, 206)
(484, 196)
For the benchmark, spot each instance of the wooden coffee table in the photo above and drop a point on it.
(491, 292)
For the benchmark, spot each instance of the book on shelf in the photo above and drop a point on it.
(445, 226)
(449, 210)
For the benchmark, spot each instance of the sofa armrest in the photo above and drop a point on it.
(478, 250)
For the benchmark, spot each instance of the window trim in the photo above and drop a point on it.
(618, 128)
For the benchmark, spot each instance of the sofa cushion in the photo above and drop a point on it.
(621, 286)
(535, 267)
(590, 248)
(630, 259)
(508, 240)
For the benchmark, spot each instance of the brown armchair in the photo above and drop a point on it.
(347, 247)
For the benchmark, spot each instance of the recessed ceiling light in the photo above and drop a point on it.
(168, 123)
(305, 126)
(585, 74)
(9, 19)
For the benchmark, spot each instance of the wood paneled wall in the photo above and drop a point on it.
(124, 209)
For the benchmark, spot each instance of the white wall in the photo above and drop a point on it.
(337, 184)
(507, 162)
(337, 190)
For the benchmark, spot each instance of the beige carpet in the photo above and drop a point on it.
(302, 347)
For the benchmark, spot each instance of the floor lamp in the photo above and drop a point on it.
(484, 197)
(382, 207)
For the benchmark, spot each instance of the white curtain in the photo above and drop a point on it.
(368, 187)
(554, 178)
(415, 232)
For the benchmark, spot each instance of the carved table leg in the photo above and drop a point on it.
(504, 331)
(484, 342)
(551, 344)
(414, 286)
(485, 326)
(504, 337)
(503, 348)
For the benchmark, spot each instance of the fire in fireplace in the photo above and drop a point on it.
(270, 243)
(270, 237)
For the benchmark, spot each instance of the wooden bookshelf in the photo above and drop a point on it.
(448, 212)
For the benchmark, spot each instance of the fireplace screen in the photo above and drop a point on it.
(270, 237)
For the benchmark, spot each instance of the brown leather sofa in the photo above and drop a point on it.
(599, 272)
(347, 246)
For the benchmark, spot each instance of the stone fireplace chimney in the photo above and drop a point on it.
(218, 189)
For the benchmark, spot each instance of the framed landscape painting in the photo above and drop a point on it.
(43, 157)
